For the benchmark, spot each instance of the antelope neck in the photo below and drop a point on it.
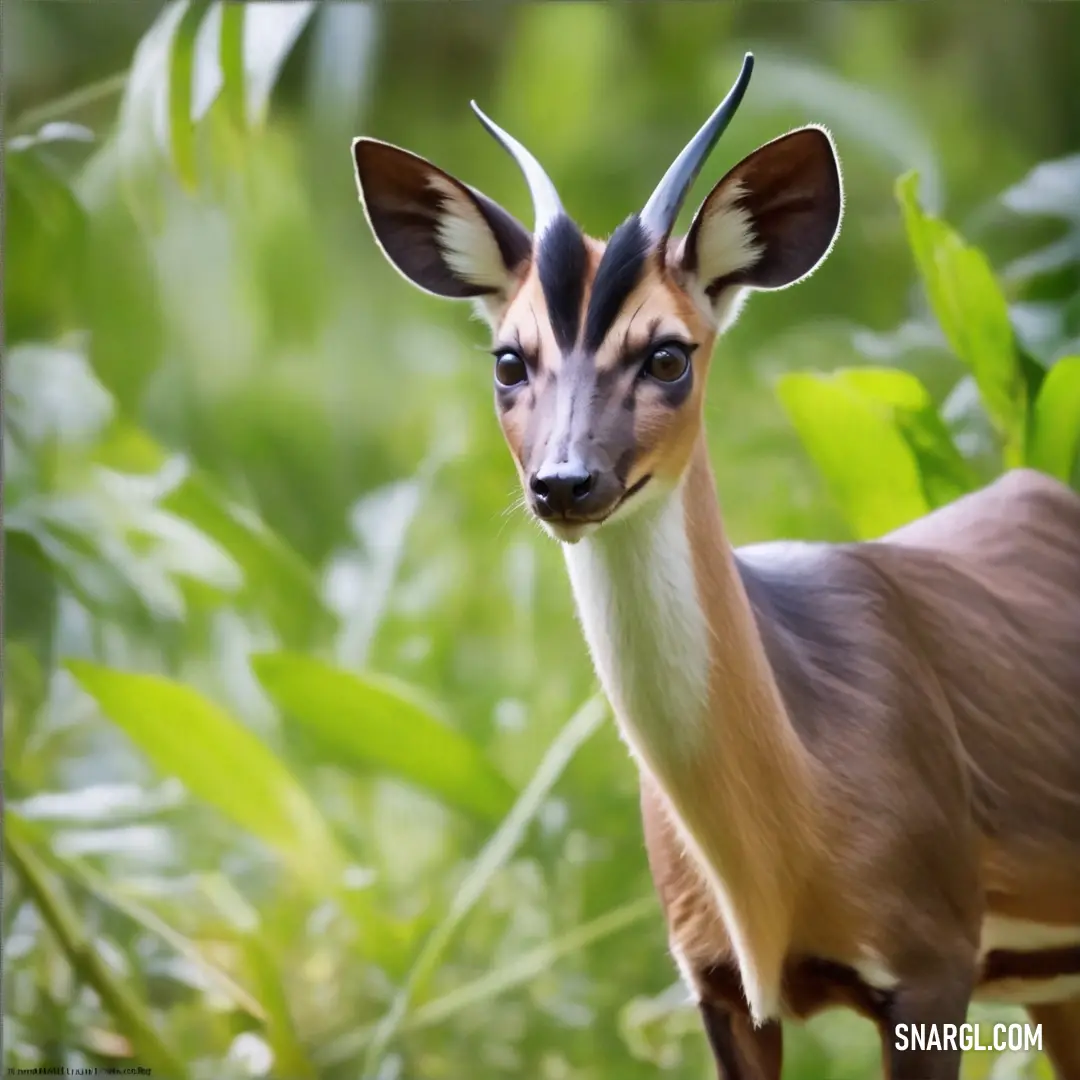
(677, 649)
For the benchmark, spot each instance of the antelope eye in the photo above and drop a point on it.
(667, 363)
(510, 369)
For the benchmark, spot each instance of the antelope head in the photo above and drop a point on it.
(602, 350)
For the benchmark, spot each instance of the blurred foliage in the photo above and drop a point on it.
(876, 434)
(299, 781)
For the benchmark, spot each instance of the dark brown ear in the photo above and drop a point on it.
(769, 222)
(442, 235)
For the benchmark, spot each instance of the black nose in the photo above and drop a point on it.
(561, 489)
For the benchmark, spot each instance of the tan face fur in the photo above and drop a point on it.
(600, 407)
(602, 349)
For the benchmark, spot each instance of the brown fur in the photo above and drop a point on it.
(953, 774)
(890, 747)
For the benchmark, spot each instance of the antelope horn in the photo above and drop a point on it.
(658, 217)
(546, 202)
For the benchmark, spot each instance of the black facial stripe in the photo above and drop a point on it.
(515, 244)
(561, 263)
(618, 273)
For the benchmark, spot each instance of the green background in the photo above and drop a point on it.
(304, 772)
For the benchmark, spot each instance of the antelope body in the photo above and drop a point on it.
(860, 763)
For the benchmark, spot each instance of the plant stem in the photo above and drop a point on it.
(73, 102)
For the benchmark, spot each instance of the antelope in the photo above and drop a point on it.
(859, 762)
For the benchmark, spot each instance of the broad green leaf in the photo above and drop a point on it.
(972, 312)
(77, 941)
(109, 894)
(374, 722)
(868, 465)
(1055, 435)
(497, 852)
(944, 472)
(181, 69)
(221, 762)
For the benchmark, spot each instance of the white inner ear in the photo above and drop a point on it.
(465, 240)
(726, 244)
(726, 241)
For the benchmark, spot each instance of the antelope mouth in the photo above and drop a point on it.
(571, 530)
(631, 491)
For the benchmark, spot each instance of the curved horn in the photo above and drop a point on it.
(658, 217)
(546, 202)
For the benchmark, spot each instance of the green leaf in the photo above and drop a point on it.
(140, 138)
(220, 762)
(374, 722)
(181, 69)
(868, 464)
(77, 942)
(944, 473)
(972, 312)
(160, 86)
(1055, 436)
(231, 58)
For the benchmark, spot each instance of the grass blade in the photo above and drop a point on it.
(86, 877)
(497, 852)
(181, 69)
(531, 964)
(290, 1057)
(231, 58)
(56, 909)
(520, 970)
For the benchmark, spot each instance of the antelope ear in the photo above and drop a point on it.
(442, 235)
(768, 224)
